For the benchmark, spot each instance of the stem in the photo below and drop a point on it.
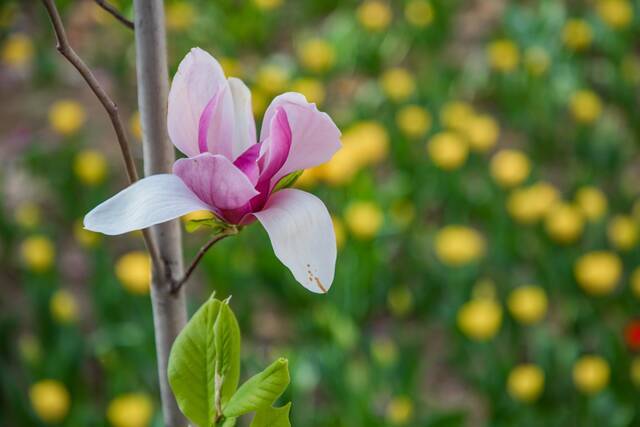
(115, 13)
(169, 308)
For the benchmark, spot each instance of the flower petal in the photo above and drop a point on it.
(215, 127)
(247, 162)
(314, 136)
(150, 201)
(245, 127)
(302, 237)
(198, 79)
(215, 180)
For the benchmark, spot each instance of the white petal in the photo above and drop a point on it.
(150, 201)
(245, 126)
(302, 237)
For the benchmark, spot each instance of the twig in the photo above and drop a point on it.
(203, 250)
(115, 13)
(67, 51)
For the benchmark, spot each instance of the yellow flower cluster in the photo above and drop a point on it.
(591, 374)
(527, 205)
(374, 15)
(364, 219)
(90, 167)
(130, 410)
(504, 55)
(133, 270)
(50, 400)
(66, 117)
(316, 54)
(598, 272)
(510, 167)
(577, 34)
(585, 106)
(525, 382)
(457, 245)
(37, 253)
(398, 84)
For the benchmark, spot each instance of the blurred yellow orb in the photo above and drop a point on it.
(480, 319)
(528, 205)
(456, 114)
(528, 304)
(130, 410)
(312, 89)
(399, 410)
(86, 238)
(316, 54)
(577, 34)
(482, 132)
(598, 272)
(509, 167)
(400, 300)
(537, 60)
(136, 126)
(591, 374)
(338, 229)
(413, 121)
(180, 15)
(374, 15)
(64, 307)
(564, 223)
(504, 55)
(457, 245)
(66, 116)
(585, 106)
(447, 150)
(133, 270)
(617, 14)
(90, 167)
(17, 51)
(397, 83)
(272, 78)
(635, 371)
(364, 219)
(592, 202)
(50, 400)
(622, 232)
(37, 253)
(419, 13)
(268, 4)
(635, 282)
(525, 382)
(27, 215)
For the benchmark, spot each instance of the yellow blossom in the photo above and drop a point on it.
(510, 167)
(530, 204)
(374, 15)
(617, 14)
(90, 167)
(482, 132)
(130, 410)
(480, 319)
(591, 374)
(364, 219)
(400, 300)
(50, 400)
(528, 304)
(399, 410)
(503, 55)
(180, 15)
(564, 223)
(577, 34)
(592, 202)
(525, 382)
(27, 215)
(64, 307)
(86, 238)
(457, 245)
(17, 51)
(419, 13)
(37, 253)
(268, 4)
(585, 106)
(312, 89)
(398, 83)
(413, 120)
(66, 116)
(456, 114)
(447, 150)
(598, 272)
(622, 232)
(316, 54)
(272, 78)
(537, 60)
(133, 270)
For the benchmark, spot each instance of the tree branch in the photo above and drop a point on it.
(203, 250)
(115, 13)
(111, 108)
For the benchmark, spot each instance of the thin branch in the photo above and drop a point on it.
(67, 51)
(203, 250)
(115, 13)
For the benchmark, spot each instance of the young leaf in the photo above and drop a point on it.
(288, 180)
(259, 391)
(227, 342)
(191, 366)
(272, 417)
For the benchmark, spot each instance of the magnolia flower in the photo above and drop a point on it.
(229, 173)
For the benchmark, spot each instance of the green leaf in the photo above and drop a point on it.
(191, 366)
(229, 422)
(259, 391)
(288, 180)
(227, 342)
(214, 222)
(272, 417)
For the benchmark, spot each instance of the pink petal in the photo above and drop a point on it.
(314, 136)
(245, 127)
(215, 180)
(247, 162)
(150, 201)
(302, 237)
(198, 79)
(276, 147)
(215, 127)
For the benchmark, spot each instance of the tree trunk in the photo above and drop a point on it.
(169, 310)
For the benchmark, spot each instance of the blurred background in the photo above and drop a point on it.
(486, 205)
